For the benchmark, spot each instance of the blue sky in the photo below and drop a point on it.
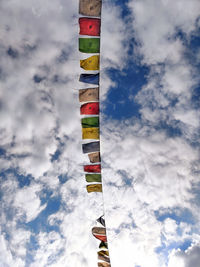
(149, 88)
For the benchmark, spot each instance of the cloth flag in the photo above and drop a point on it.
(90, 122)
(90, 7)
(103, 264)
(90, 133)
(91, 147)
(103, 253)
(93, 178)
(89, 78)
(104, 258)
(89, 45)
(90, 108)
(90, 26)
(89, 94)
(95, 188)
(103, 245)
(101, 220)
(99, 233)
(92, 168)
(94, 157)
(90, 63)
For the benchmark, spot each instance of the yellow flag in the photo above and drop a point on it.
(91, 63)
(90, 133)
(94, 188)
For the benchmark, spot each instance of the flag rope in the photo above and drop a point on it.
(89, 98)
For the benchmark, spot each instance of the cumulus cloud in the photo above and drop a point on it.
(148, 172)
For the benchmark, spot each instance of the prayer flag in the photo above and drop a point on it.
(90, 133)
(91, 147)
(101, 220)
(103, 245)
(89, 78)
(94, 157)
(90, 63)
(90, 108)
(89, 94)
(92, 168)
(93, 178)
(99, 233)
(90, 122)
(90, 7)
(103, 253)
(89, 45)
(94, 188)
(103, 258)
(89, 26)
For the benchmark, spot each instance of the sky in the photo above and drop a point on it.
(150, 128)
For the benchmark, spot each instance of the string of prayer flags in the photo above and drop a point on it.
(91, 147)
(90, 108)
(89, 26)
(94, 157)
(94, 188)
(90, 122)
(92, 168)
(90, 7)
(89, 45)
(103, 264)
(90, 63)
(89, 94)
(93, 178)
(89, 78)
(90, 133)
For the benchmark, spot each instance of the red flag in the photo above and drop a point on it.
(92, 168)
(101, 237)
(90, 108)
(89, 26)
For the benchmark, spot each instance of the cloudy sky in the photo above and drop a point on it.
(150, 127)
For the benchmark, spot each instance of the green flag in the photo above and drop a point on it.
(93, 178)
(89, 45)
(90, 122)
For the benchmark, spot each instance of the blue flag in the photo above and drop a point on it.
(89, 78)
(91, 147)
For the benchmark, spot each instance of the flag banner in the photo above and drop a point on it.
(101, 220)
(89, 45)
(90, 122)
(89, 94)
(90, 108)
(103, 253)
(94, 157)
(93, 178)
(90, 63)
(92, 168)
(103, 264)
(89, 78)
(90, 133)
(90, 7)
(95, 188)
(89, 26)
(103, 245)
(99, 230)
(104, 258)
(91, 147)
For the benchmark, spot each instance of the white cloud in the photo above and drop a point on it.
(144, 169)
